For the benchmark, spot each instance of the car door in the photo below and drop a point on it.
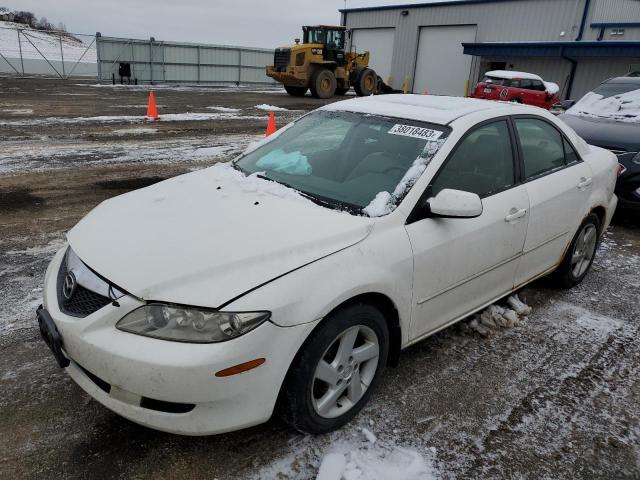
(461, 264)
(558, 185)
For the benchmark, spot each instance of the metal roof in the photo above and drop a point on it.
(442, 3)
(554, 49)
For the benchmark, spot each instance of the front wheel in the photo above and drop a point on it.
(580, 254)
(336, 370)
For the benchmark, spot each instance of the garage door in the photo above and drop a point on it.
(378, 41)
(441, 67)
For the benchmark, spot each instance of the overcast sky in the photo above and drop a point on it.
(258, 23)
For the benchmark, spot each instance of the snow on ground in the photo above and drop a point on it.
(135, 131)
(18, 111)
(623, 108)
(352, 453)
(166, 117)
(270, 108)
(48, 43)
(56, 154)
(224, 109)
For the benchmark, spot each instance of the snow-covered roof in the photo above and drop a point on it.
(622, 108)
(512, 74)
(428, 108)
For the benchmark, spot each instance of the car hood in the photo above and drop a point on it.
(605, 133)
(207, 237)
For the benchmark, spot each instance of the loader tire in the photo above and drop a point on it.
(323, 84)
(296, 91)
(366, 83)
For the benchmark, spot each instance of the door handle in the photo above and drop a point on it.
(515, 214)
(584, 183)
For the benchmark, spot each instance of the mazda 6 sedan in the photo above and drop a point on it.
(291, 277)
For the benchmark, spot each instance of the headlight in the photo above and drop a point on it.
(192, 325)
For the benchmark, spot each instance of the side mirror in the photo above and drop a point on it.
(567, 104)
(455, 204)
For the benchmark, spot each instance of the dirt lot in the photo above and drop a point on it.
(556, 397)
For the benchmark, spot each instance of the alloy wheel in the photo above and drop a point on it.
(584, 250)
(345, 371)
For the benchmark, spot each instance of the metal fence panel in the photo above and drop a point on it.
(154, 61)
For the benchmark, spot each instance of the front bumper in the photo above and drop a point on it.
(290, 77)
(143, 379)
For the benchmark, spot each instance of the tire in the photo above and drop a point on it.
(516, 100)
(580, 254)
(342, 91)
(320, 397)
(366, 83)
(323, 84)
(296, 91)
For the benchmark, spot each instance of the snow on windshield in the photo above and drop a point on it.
(384, 202)
(622, 108)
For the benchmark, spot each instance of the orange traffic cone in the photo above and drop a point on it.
(271, 126)
(152, 111)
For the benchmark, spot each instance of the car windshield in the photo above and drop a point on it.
(611, 89)
(345, 160)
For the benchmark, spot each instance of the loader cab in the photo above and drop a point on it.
(333, 39)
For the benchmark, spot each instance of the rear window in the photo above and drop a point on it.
(612, 89)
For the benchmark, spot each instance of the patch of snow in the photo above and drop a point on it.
(513, 74)
(380, 205)
(224, 109)
(271, 108)
(135, 131)
(370, 436)
(495, 317)
(552, 88)
(622, 108)
(253, 183)
(332, 466)
(18, 111)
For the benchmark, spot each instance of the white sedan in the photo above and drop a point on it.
(291, 277)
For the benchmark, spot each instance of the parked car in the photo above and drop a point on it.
(294, 275)
(609, 117)
(518, 87)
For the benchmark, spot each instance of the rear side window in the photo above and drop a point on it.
(482, 163)
(528, 84)
(537, 85)
(570, 154)
(542, 147)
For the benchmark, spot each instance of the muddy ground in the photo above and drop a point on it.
(556, 397)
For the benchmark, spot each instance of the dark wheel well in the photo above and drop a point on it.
(601, 213)
(388, 309)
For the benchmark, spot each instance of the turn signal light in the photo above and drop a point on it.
(240, 368)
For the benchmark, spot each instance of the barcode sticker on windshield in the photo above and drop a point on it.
(415, 132)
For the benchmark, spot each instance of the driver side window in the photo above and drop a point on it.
(482, 163)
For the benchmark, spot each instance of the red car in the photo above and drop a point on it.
(520, 87)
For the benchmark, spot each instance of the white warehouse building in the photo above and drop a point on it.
(444, 47)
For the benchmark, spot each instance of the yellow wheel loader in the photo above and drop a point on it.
(321, 64)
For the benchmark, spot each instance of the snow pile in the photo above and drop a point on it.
(495, 317)
(385, 202)
(271, 108)
(252, 183)
(351, 454)
(513, 74)
(622, 108)
(551, 87)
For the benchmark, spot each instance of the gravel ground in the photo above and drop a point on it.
(556, 397)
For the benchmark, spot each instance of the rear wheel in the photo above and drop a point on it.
(336, 370)
(366, 83)
(296, 91)
(580, 254)
(323, 84)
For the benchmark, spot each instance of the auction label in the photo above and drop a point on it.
(415, 132)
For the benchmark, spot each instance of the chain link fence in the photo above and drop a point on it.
(25, 51)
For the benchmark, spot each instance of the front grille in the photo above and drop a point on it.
(281, 59)
(83, 302)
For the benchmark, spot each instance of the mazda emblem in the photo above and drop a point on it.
(69, 286)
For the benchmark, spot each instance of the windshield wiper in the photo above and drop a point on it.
(318, 199)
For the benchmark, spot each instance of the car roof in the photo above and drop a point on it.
(427, 108)
(629, 80)
(513, 75)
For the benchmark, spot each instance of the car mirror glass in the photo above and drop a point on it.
(450, 203)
